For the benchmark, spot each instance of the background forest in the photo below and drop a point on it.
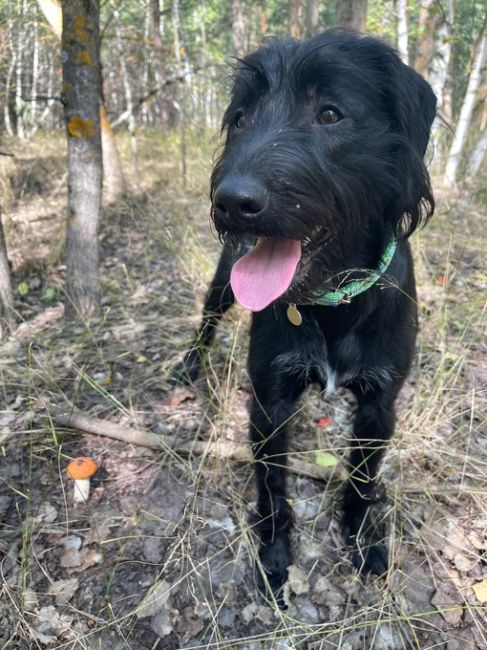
(161, 555)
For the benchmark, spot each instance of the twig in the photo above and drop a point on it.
(223, 449)
(157, 89)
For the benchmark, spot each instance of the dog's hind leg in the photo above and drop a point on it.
(273, 406)
(373, 426)
(219, 299)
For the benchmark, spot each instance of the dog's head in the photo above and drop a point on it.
(324, 151)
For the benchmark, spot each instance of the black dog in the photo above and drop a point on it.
(320, 183)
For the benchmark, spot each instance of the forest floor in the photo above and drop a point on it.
(162, 554)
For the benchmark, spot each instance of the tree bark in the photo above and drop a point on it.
(19, 73)
(237, 27)
(127, 90)
(428, 21)
(476, 157)
(113, 179)
(113, 174)
(82, 93)
(312, 17)
(293, 16)
(35, 75)
(7, 321)
(166, 111)
(402, 30)
(351, 14)
(461, 131)
(439, 66)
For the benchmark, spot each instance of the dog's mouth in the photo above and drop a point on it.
(276, 268)
(265, 273)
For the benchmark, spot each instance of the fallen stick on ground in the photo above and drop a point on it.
(225, 449)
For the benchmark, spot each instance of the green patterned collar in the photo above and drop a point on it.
(352, 288)
(347, 290)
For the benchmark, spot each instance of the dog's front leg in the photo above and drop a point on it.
(373, 426)
(270, 414)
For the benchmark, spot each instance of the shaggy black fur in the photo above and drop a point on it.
(325, 141)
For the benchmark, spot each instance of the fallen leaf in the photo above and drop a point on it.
(249, 612)
(72, 543)
(75, 561)
(63, 590)
(180, 395)
(297, 580)
(161, 623)
(323, 423)
(447, 601)
(327, 593)
(325, 459)
(155, 600)
(48, 625)
(47, 513)
(30, 600)
(480, 590)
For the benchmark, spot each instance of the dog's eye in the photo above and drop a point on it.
(329, 115)
(240, 120)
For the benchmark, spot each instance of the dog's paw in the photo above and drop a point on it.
(187, 371)
(370, 557)
(275, 558)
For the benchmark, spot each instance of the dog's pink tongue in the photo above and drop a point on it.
(264, 274)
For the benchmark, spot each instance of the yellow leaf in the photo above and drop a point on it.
(480, 590)
(325, 460)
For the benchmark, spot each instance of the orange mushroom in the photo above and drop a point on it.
(80, 470)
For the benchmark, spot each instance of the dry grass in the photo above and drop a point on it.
(181, 525)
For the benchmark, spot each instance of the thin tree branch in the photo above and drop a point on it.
(223, 449)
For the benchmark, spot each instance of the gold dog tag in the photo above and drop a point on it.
(293, 315)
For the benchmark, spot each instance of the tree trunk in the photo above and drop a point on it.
(176, 26)
(82, 92)
(351, 14)
(461, 131)
(237, 27)
(476, 157)
(428, 21)
(7, 321)
(312, 17)
(127, 90)
(113, 179)
(439, 66)
(113, 174)
(19, 73)
(35, 76)
(6, 106)
(144, 113)
(165, 109)
(294, 26)
(402, 30)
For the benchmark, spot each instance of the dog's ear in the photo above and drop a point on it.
(415, 106)
(412, 108)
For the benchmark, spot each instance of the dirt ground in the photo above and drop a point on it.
(162, 555)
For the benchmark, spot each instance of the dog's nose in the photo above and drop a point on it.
(239, 197)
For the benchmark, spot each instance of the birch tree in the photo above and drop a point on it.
(7, 321)
(439, 66)
(237, 27)
(458, 145)
(294, 26)
(402, 30)
(351, 14)
(312, 17)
